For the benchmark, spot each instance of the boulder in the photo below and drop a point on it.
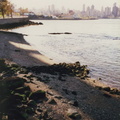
(40, 94)
(14, 82)
(32, 103)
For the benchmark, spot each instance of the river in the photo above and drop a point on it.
(95, 43)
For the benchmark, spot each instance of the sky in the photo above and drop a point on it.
(68, 4)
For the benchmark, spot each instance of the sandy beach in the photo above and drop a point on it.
(15, 49)
(86, 97)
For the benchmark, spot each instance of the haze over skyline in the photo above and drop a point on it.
(73, 4)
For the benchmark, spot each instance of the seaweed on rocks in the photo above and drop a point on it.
(17, 101)
(74, 69)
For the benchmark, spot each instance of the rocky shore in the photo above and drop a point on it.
(33, 87)
(16, 22)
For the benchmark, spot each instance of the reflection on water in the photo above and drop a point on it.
(92, 42)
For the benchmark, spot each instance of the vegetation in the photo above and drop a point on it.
(23, 10)
(6, 8)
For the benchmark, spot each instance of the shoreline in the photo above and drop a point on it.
(21, 52)
(66, 97)
(17, 50)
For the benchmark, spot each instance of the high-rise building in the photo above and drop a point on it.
(92, 11)
(84, 8)
(107, 11)
(88, 11)
(115, 10)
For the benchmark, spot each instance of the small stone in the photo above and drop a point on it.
(74, 92)
(65, 90)
(74, 103)
(32, 118)
(39, 110)
(115, 91)
(30, 110)
(50, 93)
(52, 101)
(32, 103)
(106, 95)
(17, 50)
(73, 114)
(22, 89)
(106, 89)
(58, 96)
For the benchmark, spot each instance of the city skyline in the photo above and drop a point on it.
(73, 4)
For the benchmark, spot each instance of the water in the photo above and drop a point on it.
(95, 43)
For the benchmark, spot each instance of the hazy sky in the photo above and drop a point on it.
(71, 4)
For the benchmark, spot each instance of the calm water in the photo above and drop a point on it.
(95, 43)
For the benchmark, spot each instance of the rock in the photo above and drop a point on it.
(106, 89)
(52, 101)
(17, 50)
(27, 93)
(99, 78)
(73, 114)
(99, 87)
(32, 118)
(24, 115)
(19, 96)
(58, 96)
(74, 103)
(32, 103)
(55, 33)
(39, 110)
(67, 33)
(115, 91)
(65, 90)
(5, 117)
(22, 89)
(30, 110)
(14, 82)
(3, 66)
(74, 92)
(40, 94)
(60, 78)
(24, 71)
(107, 95)
(50, 93)
(40, 23)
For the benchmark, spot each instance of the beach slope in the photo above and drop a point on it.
(15, 49)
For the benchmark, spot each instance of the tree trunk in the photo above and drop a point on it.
(3, 15)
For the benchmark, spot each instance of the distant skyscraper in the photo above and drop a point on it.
(92, 10)
(88, 11)
(53, 8)
(92, 7)
(115, 10)
(102, 11)
(107, 11)
(84, 8)
(63, 10)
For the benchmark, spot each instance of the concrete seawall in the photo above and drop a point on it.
(13, 20)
